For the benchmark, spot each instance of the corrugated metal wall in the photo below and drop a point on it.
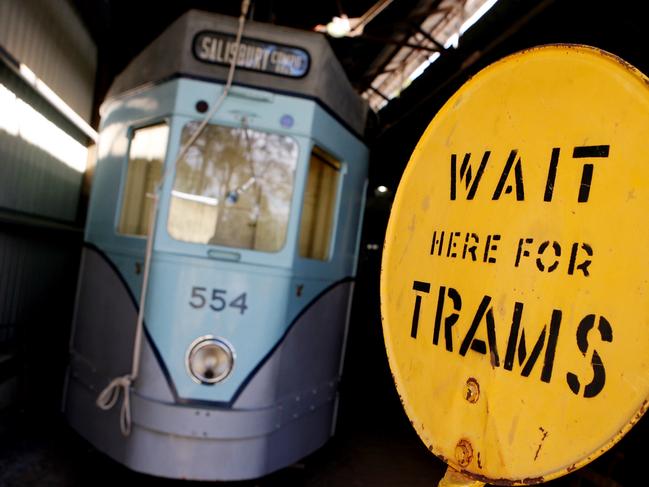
(40, 183)
(50, 39)
(32, 180)
(40, 227)
(38, 273)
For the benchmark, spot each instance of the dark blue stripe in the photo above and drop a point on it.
(165, 371)
(288, 330)
(136, 305)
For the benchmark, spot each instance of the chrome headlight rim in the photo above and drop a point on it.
(200, 343)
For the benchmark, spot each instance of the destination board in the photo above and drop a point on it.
(252, 54)
(515, 277)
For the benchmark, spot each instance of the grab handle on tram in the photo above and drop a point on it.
(224, 255)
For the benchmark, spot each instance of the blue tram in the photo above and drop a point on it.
(240, 235)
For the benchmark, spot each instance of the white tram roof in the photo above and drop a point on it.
(272, 57)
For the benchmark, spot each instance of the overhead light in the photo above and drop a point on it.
(382, 192)
(339, 27)
(344, 26)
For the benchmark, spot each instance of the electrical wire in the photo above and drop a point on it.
(110, 395)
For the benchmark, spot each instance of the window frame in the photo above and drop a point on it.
(291, 200)
(282, 260)
(130, 132)
(335, 210)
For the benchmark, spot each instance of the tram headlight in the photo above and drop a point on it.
(209, 360)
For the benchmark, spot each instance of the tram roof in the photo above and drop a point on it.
(178, 52)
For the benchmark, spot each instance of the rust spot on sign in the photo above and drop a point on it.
(472, 390)
(538, 450)
(464, 452)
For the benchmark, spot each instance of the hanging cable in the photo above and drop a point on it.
(110, 395)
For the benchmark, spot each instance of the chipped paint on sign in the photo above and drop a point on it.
(519, 338)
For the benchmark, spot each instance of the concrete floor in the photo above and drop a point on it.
(43, 451)
(50, 454)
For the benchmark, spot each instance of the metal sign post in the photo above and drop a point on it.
(453, 478)
(515, 283)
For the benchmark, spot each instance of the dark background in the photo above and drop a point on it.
(375, 444)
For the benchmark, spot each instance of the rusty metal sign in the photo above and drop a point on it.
(515, 277)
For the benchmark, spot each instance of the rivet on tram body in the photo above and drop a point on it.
(472, 390)
(463, 453)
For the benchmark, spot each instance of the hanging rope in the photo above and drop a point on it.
(110, 395)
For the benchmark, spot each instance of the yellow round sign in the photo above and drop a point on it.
(515, 277)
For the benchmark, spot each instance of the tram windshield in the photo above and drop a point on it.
(233, 187)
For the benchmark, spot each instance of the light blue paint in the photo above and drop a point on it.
(175, 324)
(270, 280)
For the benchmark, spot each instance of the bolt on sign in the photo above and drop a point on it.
(515, 283)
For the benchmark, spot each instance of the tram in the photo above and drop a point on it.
(219, 253)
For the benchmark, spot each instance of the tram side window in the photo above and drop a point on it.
(144, 170)
(316, 228)
(233, 188)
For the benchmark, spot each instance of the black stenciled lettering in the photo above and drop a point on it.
(490, 247)
(552, 174)
(466, 174)
(518, 176)
(472, 248)
(513, 337)
(521, 251)
(450, 320)
(550, 351)
(438, 314)
(515, 343)
(437, 242)
(452, 244)
(599, 372)
(557, 252)
(584, 186)
(423, 287)
(577, 260)
(586, 151)
(590, 152)
(583, 266)
(477, 345)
